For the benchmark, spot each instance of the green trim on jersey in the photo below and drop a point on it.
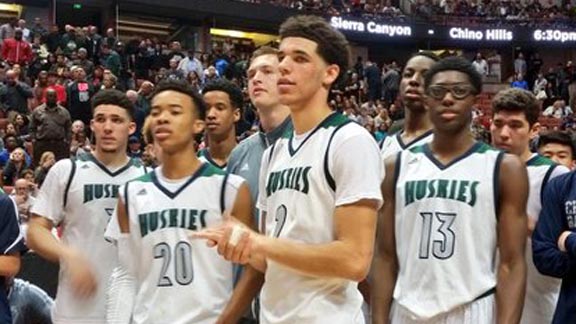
(145, 178)
(418, 149)
(483, 148)
(212, 170)
(334, 120)
(539, 160)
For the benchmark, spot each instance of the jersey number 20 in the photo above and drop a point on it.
(441, 248)
(183, 271)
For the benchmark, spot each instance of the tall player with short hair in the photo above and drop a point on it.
(174, 280)
(448, 206)
(246, 158)
(417, 126)
(224, 101)
(514, 124)
(318, 203)
(80, 196)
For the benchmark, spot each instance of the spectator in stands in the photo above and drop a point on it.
(79, 143)
(540, 86)
(53, 39)
(191, 64)
(372, 76)
(519, 82)
(7, 30)
(355, 85)
(94, 43)
(139, 113)
(23, 198)
(60, 68)
(173, 72)
(38, 30)
(134, 147)
(79, 93)
(21, 125)
(110, 59)
(31, 178)
(109, 81)
(559, 147)
(391, 83)
(520, 67)
(84, 62)
(557, 110)
(97, 77)
(194, 80)
(14, 95)
(54, 85)
(15, 166)
(480, 65)
(210, 75)
(46, 162)
(26, 34)
(50, 129)
(16, 50)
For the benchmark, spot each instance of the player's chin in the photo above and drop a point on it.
(110, 149)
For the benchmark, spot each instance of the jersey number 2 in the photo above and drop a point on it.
(441, 248)
(183, 271)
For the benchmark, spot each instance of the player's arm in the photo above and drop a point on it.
(512, 224)
(385, 262)
(548, 258)
(251, 280)
(9, 264)
(554, 171)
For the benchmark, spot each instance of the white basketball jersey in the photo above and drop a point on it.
(445, 228)
(298, 192)
(81, 195)
(541, 291)
(179, 280)
(393, 144)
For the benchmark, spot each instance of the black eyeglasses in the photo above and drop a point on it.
(459, 92)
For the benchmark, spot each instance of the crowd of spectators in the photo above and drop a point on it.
(442, 11)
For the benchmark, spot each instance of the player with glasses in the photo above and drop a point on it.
(452, 202)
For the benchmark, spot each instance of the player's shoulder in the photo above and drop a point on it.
(64, 165)
(563, 182)
(540, 161)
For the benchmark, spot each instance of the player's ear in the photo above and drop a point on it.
(237, 114)
(198, 126)
(534, 130)
(131, 127)
(331, 74)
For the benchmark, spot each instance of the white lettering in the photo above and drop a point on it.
(371, 27)
(467, 34)
(339, 23)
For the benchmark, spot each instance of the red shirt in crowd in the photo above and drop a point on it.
(15, 51)
(60, 93)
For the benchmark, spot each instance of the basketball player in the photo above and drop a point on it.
(318, 203)
(12, 244)
(451, 203)
(559, 147)
(176, 280)
(514, 124)
(80, 196)
(224, 102)
(554, 242)
(417, 127)
(245, 159)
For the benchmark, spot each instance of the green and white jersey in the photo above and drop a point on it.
(204, 156)
(446, 228)
(391, 145)
(541, 291)
(179, 280)
(81, 195)
(303, 179)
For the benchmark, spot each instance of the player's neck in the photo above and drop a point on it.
(111, 159)
(220, 148)
(270, 118)
(526, 155)
(450, 145)
(310, 112)
(416, 123)
(181, 164)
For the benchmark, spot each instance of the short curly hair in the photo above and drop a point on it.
(113, 97)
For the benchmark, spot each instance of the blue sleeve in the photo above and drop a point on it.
(548, 259)
(11, 238)
(571, 245)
